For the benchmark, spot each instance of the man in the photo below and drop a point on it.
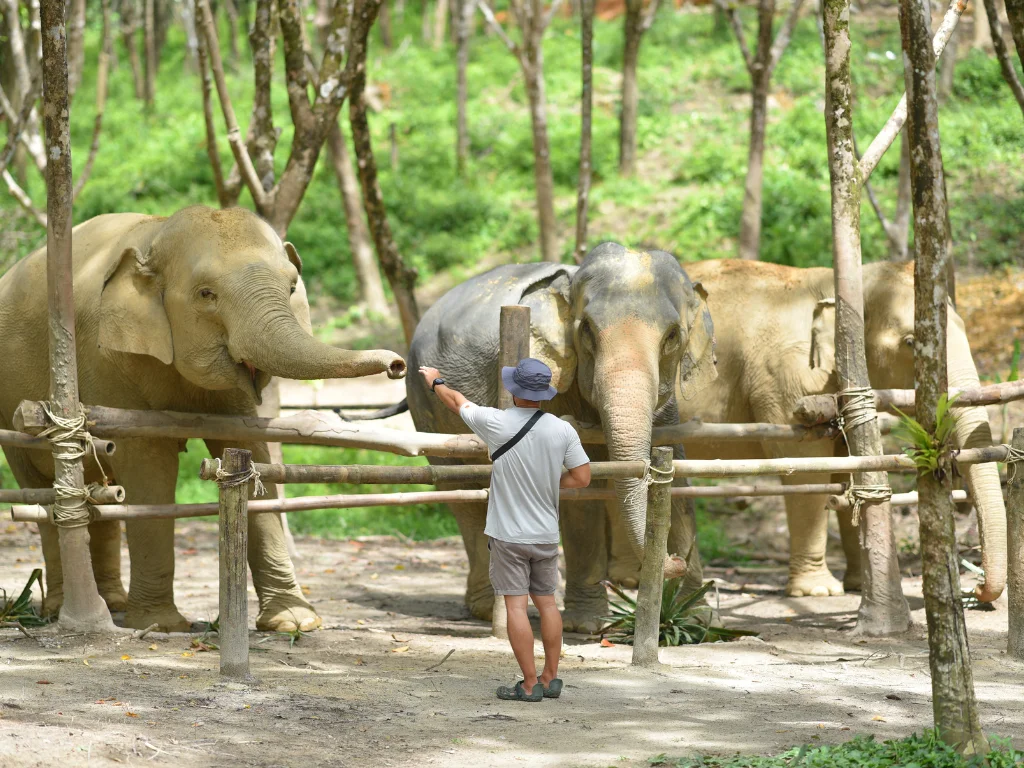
(529, 449)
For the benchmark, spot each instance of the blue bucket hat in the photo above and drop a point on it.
(530, 380)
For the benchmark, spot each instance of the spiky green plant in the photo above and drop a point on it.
(925, 448)
(20, 610)
(683, 621)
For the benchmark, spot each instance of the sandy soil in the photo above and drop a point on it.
(370, 688)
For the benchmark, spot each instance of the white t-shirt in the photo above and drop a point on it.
(523, 504)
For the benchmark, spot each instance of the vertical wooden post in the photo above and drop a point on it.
(1015, 553)
(234, 542)
(83, 609)
(652, 569)
(513, 346)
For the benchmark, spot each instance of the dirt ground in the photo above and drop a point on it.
(374, 688)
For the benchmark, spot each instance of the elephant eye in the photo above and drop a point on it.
(587, 333)
(672, 338)
(293, 290)
(206, 293)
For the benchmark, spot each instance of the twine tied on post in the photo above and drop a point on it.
(856, 406)
(71, 441)
(227, 479)
(858, 494)
(647, 481)
(1014, 456)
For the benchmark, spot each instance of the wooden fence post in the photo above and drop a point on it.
(513, 346)
(1015, 549)
(652, 579)
(234, 542)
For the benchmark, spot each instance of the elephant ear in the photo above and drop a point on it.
(299, 300)
(132, 316)
(698, 368)
(551, 339)
(823, 336)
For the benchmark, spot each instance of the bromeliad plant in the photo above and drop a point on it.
(683, 621)
(925, 449)
(19, 611)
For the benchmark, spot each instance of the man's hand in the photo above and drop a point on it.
(429, 374)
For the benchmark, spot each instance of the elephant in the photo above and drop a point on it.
(776, 328)
(195, 313)
(621, 333)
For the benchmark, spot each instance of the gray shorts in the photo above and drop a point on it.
(519, 569)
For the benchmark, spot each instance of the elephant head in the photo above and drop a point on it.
(217, 295)
(889, 342)
(624, 329)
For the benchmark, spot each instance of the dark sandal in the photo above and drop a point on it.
(553, 689)
(518, 693)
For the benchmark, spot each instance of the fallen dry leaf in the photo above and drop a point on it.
(43, 682)
(130, 714)
(402, 649)
(328, 570)
(360, 621)
(399, 640)
(305, 590)
(86, 662)
(125, 657)
(190, 551)
(187, 653)
(154, 647)
(12, 528)
(373, 576)
(399, 567)
(878, 718)
(606, 643)
(360, 662)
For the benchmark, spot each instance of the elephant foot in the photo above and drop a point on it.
(583, 622)
(819, 583)
(481, 607)
(166, 617)
(114, 596)
(52, 603)
(852, 581)
(585, 613)
(288, 615)
(624, 575)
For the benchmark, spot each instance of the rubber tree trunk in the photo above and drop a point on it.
(543, 177)
(883, 609)
(463, 28)
(947, 65)
(750, 219)
(149, 37)
(630, 92)
(440, 23)
(953, 702)
(586, 112)
(76, 45)
(371, 289)
(899, 237)
(129, 24)
(83, 609)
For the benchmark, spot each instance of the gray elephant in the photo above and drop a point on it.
(620, 333)
(190, 313)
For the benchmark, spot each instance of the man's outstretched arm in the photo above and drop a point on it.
(452, 400)
(578, 477)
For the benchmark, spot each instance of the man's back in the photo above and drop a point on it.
(523, 504)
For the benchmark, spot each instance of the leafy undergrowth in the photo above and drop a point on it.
(925, 751)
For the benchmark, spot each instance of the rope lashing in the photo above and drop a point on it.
(856, 406)
(858, 494)
(1014, 456)
(71, 441)
(227, 479)
(648, 479)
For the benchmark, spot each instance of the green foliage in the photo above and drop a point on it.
(19, 610)
(925, 751)
(925, 448)
(684, 619)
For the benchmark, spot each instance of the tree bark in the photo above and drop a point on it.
(386, 38)
(947, 66)
(149, 37)
(76, 45)
(440, 23)
(262, 139)
(102, 71)
(371, 289)
(223, 198)
(425, 19)
(1002, 54)
(232, 551)
(953, 702)
(232, 13)
(401, 277)
(750, 220)
(129, 24)
(1015, 15)
(83, 609)
(188, 22)
(586, 113)
(883, 609)
(465, 10)
(982, 33)
(899, 237)
(630, 96)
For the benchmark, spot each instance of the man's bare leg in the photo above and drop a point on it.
(520, 636)
(551, 634)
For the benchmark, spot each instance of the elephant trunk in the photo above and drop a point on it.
(973, 431)
(266, 335)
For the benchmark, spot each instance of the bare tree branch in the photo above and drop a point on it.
(102, 69)
(223, 199)
(894, 124)
(1005, 62)
(16, 125)
(498, 29)
(737, 28)
(783, 36)
(586, 112)
(261, 138)
(652, 11)
(23, 199)
(556, 6)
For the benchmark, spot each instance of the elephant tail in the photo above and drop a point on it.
(383, 413)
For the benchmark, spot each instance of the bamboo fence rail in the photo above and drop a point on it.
(33, 443)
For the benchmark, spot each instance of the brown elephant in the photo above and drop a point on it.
(192, 313)
(620, 334)
(775, 327)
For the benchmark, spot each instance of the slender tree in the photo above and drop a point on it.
(129, 13)
(637, 22)
(76, 45)
(440, 23)
(953, 702)
(586, 110)
(1015, 15)
(532, 21)
(1002, 53)
(947, 66)
(463, 29)
(761, 65)
(149, 44)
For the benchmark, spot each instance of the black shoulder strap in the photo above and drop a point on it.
(519, 436)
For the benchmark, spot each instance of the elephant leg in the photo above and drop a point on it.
(850, 535)
(807, 517)
(479, 593)
(148, 470)
(105, 550)
(583, 527)
(282, 606)
(623, 564)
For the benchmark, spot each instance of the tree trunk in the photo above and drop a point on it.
(384, 23)
(401, 277)
(947, 66)
(83, 609)
(149, 36)
(1015, 17)
(953, 702)
(262, 138)
(425, 22)
(224, 199)
(465, 9)
(899, 237)
(982, 34)
(232, 13)
(129, 23)
(188, 22)
(533, 73)
(586, 110)
(750, 221)
(883, 609)
(440, 23)
(630, 94)
(76, 45)
(1003, 54)
(371, 289)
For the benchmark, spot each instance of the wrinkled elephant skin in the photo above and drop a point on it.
(193, 313)
(620, 333)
